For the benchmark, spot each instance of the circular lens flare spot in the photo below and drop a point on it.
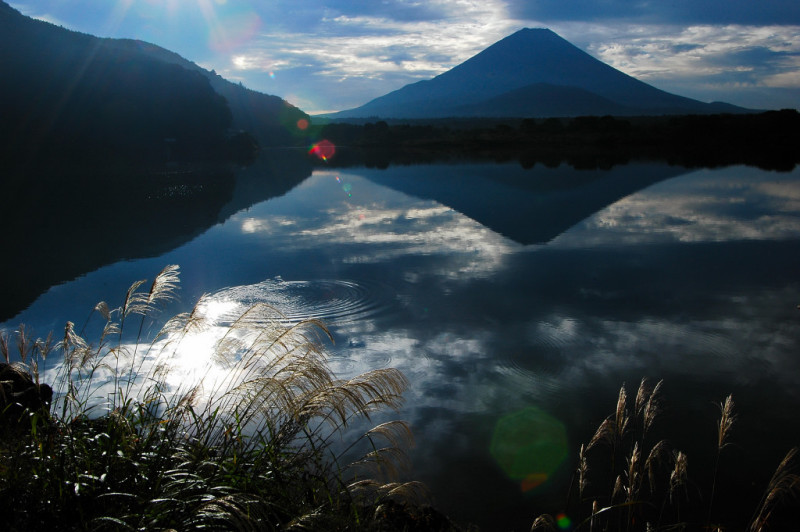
(302, 124)
(323, 149)
(529, 445)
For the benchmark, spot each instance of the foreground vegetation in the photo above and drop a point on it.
(628, 480)
(128, 439)
(126, 447)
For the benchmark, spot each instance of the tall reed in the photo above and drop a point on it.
(134, 441)
(644, 485)
(727, 417)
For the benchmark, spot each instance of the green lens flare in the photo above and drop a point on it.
(529, 445)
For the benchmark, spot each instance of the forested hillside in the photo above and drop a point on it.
(70, 95)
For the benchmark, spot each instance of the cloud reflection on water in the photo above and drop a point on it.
(693, 280)
(686, 280)
(368, 230)
(708, 206)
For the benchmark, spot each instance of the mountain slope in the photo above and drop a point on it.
(270, 118)
(64, 92)
(527, 58)
(544, 99)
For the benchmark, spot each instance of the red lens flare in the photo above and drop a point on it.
(323, 149)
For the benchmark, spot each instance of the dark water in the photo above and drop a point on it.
(513, 297)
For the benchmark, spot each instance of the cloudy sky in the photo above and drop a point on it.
(327, 55)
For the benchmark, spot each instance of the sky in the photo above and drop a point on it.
(327, 55)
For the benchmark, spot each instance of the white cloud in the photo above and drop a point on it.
(787, 80)
(698, 207)
(340, 56)
(653, 53)
(378, 52)
(369, 55)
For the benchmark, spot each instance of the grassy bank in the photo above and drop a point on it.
(253, 444)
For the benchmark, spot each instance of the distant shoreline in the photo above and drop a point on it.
(768, 140)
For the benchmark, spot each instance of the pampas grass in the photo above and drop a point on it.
(784, 483)
(645, 485)
(724, 427)
(250, 440)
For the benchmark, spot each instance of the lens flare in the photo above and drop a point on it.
(229, 32)
(529, 445)
(302, 124)
(323, 149)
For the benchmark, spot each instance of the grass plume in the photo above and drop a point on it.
(643, 484)
(727, 417)
(249, 441)
(784, 483)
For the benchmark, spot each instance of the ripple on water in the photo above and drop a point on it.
(335, 302)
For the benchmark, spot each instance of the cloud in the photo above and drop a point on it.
(699, 207)
(676, 11)
(660, 50)
(358, 55)
(706, 62)
(353, 54)
(390, 232)
(324, 56)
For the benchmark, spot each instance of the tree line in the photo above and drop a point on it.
(770, 140)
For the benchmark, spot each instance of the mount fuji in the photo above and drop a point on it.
(531, 73)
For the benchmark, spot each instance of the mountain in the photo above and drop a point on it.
(65, 93)
(270, 119)
(531, 73)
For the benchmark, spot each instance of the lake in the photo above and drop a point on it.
(507, 295)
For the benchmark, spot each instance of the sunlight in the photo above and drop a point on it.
(228, 27)
(118, 14)
(214, 309)
(229, 30)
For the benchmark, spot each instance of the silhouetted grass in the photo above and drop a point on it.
(253, 443)
(628, 481)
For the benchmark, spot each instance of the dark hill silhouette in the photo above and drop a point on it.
(271, 119)
(537, 62)
(69, 94)
(97, 216)
(65, 93)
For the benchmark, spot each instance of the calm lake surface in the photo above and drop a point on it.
(510, 296)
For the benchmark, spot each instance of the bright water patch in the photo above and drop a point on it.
(335, 302)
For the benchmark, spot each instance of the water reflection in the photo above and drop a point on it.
(694, 280)
(528, 206)
(737, 204)
(62, 222)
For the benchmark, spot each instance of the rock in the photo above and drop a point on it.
(20, 394)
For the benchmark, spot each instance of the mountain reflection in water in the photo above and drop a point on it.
(454, 276)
